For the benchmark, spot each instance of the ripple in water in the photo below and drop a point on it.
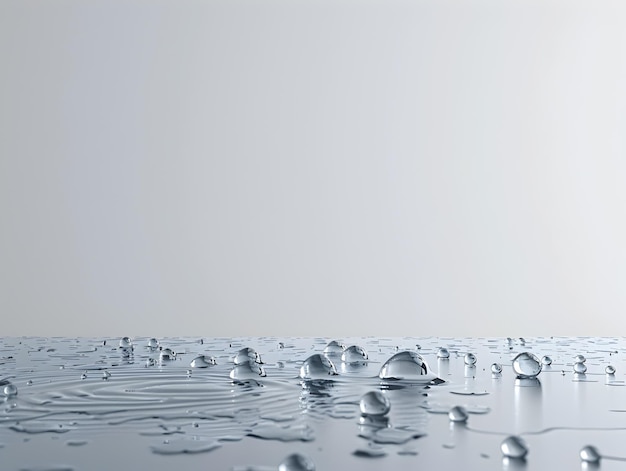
(317, 367)
(526, 365)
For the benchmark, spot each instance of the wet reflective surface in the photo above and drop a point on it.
(146, 403)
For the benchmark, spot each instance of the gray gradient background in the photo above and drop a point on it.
(312, 168)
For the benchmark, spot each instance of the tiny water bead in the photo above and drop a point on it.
(580, 368)
(84, 375)
(514, 447)
(167, 354)
(246, 355)
(333, 348)
(546, 360)
(106, 375)
(407, 365)
(590, 454)
(374, 403)
(458, 414)
(469, 359)
(580, 359)
(353, 353)
(153, 343)
(250, 370)
(296, 462)
(126, 342)
(443, 353)
(496, 368)
(202, 361)
(10, 390)
(609, 370)
(317, 367)
(526, 365)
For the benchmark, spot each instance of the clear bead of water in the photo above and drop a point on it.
(496, 368)
(374, 403)
(353, 353)
(469, 359)
(526, 365)
(317, 367)
(514, 447)
(296, 462)
(458, 414)
(590, 454)
(406, 365)
(443, 353)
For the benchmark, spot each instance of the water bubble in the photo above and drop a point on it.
(470, 359)
(248, 370)
(496, 368)
(443, 353)
(153, 343)
(405, 365)
(10, 390)
(458, 414)
(580, 368)
(590, 454)
(167, 354)
(580, 359)
(126, 342)
(106, 375)
(526, 365)
(609, 370)
(374, 403)
(353, 353)
(333, 348)
(546, 360)
(202, 361)
(514, 447)
(317, 367)
(246, 355)
(296, 462)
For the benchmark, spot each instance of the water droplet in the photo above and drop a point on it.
(281, 345)
(443, 353)
(153, 343)
(10, 390)
(202, 361)
(84, 375)
(418, 347)
(496, 368)
(167, 354)
(580, 368)
(248, 370)
(106, 375)
(126, 342)
(150, 362)
(29, 382)
(317, 367)
(470, 359)
(374, 403)
(333, 348)
(522, 341)
(526, 365)
(246, 355)
(353, 353)
(580, 359)
(405, 365)
(458, 414)
(296, 462)
(609, 370)
(590, 454)
(514, 447)
(546, 360)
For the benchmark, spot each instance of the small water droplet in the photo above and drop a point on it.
(10, 390)
(514, 447)
(590, 454)
(317, 367)
(333, 348)
(84, 375)
(29, 382)
(405, 365)
(580, 359)
(126, 342)
(202, 361)
(374, 403)
(458, 414)
(443, 353)
(281, 345)
(106, 375)
(353, 353)
(166, 354)
(296, 462)
(418, 347)
(246, 355)
(153, 343)
(580, 368)
(522, 341)
(248, 370)
(150, 362)
(496, 368)
(609, 370)
(526, 365)
(546, 360)
(470, 359)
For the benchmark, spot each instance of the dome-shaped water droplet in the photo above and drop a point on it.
(526, 365)
(514, 447)
(580, 368)
(317, 367)
(443, 353)
(202, 361)
(9, 390)
(281, 345)
(374, 403)
(469, 359)
(458, 414)
(590, 454)
(580, 359)
(353, 353)
(333, 348)
(250, 370)
(496, 368)
(296, 462)
(609, 370)
(126, 342)
(546, 360)
(405, 365)
(246, 355)
(153, 343)
(84, 375)
(167, 354)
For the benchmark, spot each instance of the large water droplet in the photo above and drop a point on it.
(250, 370)
(609, 370)
(514, 447)
(546, 360)
(580, 368)
(526, 365)
(458, 414)
(374, 403)
(590, 454)
(405, 365)
(126, 342)
(296, 462)
(246, 355)
(443, 353)
(202, 361)
(333, 348)
(470, 359)
(353, 353)
(10, 390)
(496, 368)
(317, 367)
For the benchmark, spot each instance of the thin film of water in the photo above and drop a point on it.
(312, 403)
